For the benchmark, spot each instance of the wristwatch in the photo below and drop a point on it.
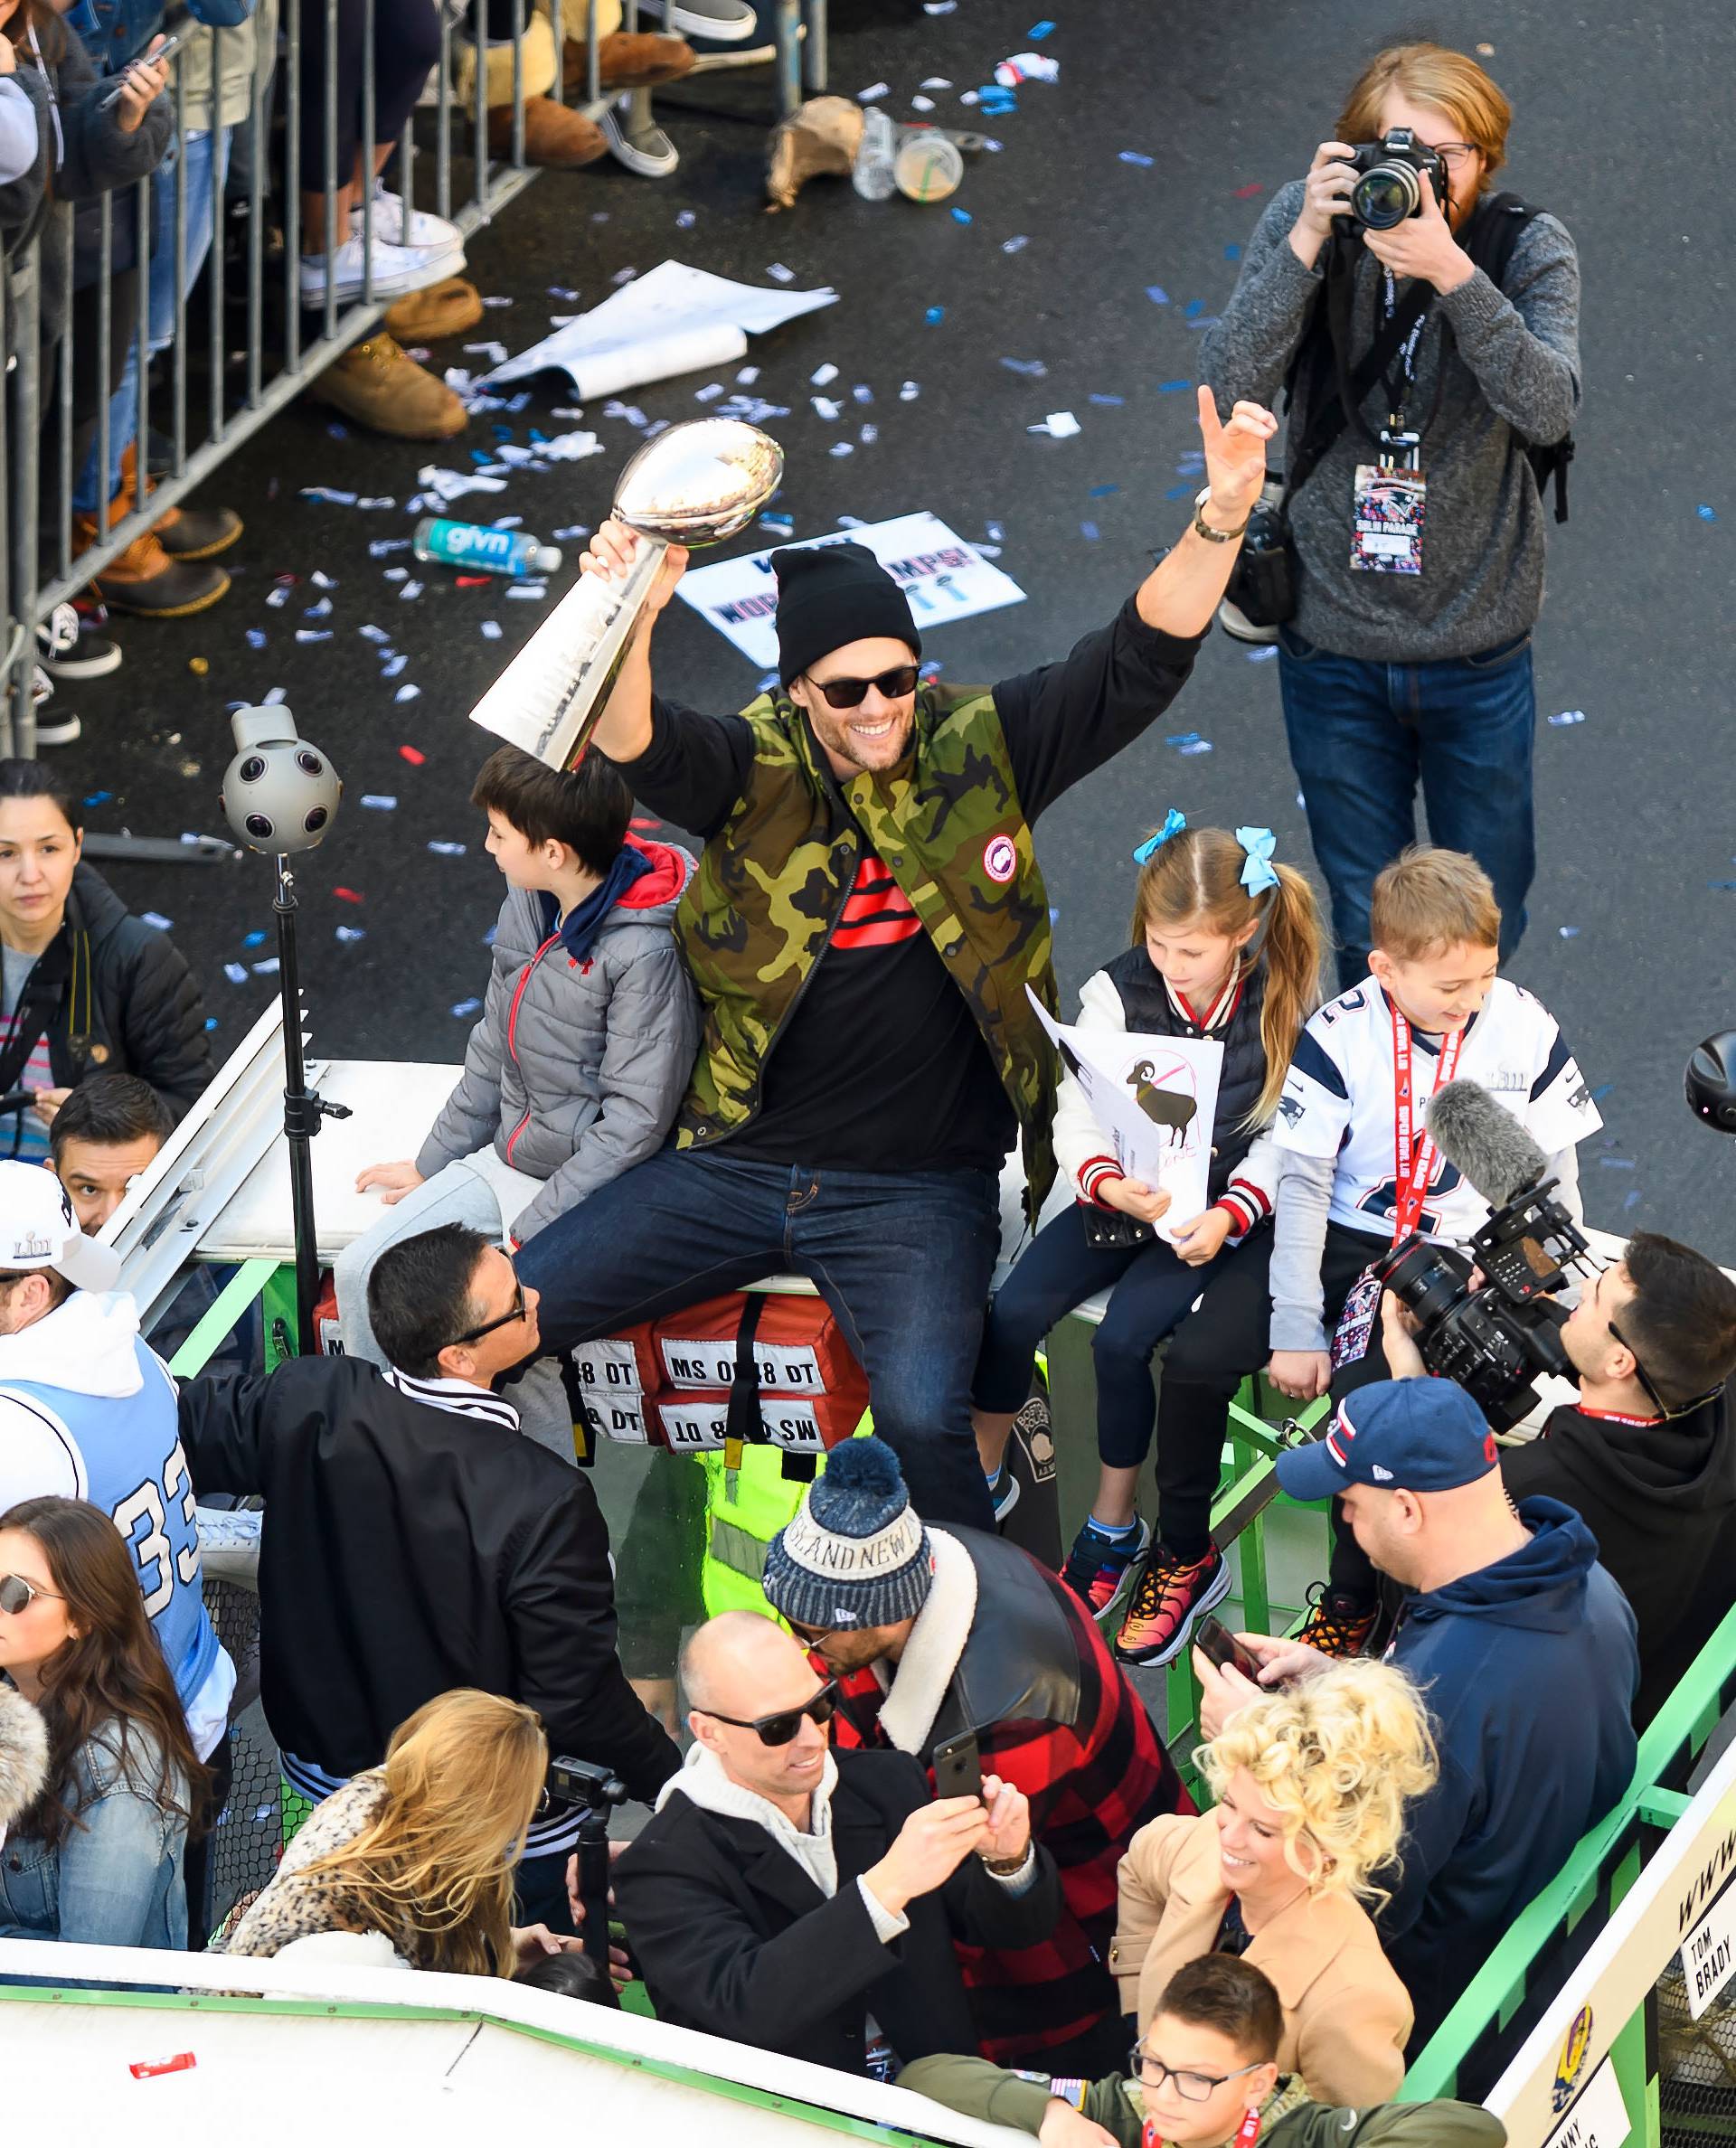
(1202, 528)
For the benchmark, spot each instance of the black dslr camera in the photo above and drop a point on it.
(1495, 1341)
(1390, 188)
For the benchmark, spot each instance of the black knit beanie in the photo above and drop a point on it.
(830, 595)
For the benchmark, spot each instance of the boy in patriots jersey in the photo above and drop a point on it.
(1359, 1171)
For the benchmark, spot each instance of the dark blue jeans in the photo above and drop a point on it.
(903, 1258)
(1362, 735)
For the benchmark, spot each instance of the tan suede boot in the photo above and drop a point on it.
(556, 139)
(444, 309)
(377, 385)
(641, 59)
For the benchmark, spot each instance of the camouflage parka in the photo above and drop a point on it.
(772, 884)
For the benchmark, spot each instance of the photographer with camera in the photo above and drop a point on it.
(1429, 337)
(1521, 1645)
(1646, 1455)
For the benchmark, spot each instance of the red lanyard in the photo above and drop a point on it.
(1246, 2135)
(1615, 1417)
(1412, 1169)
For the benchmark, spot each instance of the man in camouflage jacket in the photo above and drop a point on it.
(866, 918)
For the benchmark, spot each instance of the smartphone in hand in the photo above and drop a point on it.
(959, 1767)
(1219, 1645)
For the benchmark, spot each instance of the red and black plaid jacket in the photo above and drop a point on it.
(1092, 1781)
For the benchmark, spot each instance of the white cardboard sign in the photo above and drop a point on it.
(1598, 2118)
(944, 578)
(1708, 1952)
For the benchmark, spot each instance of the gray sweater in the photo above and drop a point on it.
(1512, 360)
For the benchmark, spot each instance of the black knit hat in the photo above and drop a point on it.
(830, 595)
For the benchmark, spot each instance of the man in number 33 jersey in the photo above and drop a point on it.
(87, 1411)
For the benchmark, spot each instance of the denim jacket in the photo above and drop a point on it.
(115, 1879)
(117, 31)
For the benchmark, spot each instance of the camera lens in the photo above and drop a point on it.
(315, 820)
(258, 826)
(1386, 197)
(309, 763)
(251, 769)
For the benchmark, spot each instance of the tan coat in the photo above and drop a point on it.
(1346, 2015)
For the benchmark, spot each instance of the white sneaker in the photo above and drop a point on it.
(51, 731)
(396, 270)
(646, 149)
(390, 223)
(721, 21)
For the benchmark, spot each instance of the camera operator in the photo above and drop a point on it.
(1413, 663)
(1646, 1454)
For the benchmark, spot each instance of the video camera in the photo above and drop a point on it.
(583, 1785)
(1497, 1340)
(1390, 188)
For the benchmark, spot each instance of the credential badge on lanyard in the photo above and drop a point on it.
(1390, 495)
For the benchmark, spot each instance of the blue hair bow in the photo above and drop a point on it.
(1257, 874)
(1149, 848)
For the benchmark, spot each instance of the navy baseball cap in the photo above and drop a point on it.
(1409, 1434)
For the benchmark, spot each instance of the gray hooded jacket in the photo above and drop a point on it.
(575, 1069)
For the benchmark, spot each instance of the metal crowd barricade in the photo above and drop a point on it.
(41, 564)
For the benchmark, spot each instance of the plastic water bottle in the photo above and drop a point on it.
(871, 173)
(511, 552)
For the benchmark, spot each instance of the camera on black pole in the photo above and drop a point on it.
(593, 1790)
(280, 794)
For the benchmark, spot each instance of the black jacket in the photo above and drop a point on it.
(735, 1939)
(1661, 1500)
(408, 1549)
(113, 997)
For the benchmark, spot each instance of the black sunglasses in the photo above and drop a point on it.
(488, 1326)
(1640, 1373)
(779, 1728)
(850, 693)
(17, 1595)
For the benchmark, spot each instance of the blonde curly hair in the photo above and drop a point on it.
(1337, 1755)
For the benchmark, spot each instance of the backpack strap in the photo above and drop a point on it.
(1491, 238)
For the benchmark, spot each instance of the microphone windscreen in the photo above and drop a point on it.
(1483, 1140)
(24, 1756)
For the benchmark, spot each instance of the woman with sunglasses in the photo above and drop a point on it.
(412, 1862)
(97, 1859)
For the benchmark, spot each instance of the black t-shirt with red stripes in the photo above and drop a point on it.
(881, 1067)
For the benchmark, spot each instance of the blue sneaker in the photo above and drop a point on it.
(1100, 1568)
(1004, 1491)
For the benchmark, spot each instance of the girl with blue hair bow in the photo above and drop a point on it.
(1225, 945)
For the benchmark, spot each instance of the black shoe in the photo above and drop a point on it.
(67, 649)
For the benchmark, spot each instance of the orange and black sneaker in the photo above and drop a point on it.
(1167, 1597)
(1337, 1624)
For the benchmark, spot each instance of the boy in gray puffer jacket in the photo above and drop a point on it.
(583, 1049)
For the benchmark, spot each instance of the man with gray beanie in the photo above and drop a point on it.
(865, 929)
(953, 1639)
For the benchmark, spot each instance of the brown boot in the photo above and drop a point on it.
(145, 581)
(557, 140)
(443, 309)
(184, 532)
(378, 386)
(639, 59)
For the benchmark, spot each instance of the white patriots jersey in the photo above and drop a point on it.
(1339, 1099)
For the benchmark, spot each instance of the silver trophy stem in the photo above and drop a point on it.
(548, 699)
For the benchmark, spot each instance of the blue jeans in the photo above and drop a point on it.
(1361, 734)
(207, 167)
(903, 1259)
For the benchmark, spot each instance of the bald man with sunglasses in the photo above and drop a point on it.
(808, 1902)
(865, 929)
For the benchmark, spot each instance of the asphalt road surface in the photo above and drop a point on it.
(1140, 169)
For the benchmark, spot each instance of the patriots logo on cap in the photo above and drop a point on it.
(1340, 1437)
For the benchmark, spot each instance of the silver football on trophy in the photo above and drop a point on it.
(696, 483)
(701, 482)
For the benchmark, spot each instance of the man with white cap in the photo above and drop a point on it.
(87, 1411)
(1522, 1644)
